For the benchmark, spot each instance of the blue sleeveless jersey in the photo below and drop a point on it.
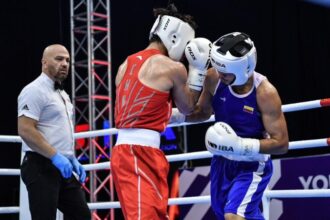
(238, 182)
(239, 111)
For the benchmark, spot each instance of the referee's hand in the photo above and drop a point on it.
(78, 168)
(63, 164)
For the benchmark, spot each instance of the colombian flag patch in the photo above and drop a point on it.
(248, 109)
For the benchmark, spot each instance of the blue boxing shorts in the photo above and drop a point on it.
(237, 186)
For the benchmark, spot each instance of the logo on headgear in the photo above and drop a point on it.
(221, 65)
(166, 24)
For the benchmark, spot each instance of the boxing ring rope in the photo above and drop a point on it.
(269, 194)
(111, 131)
(312, 193)
(293, 145)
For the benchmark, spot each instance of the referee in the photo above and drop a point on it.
(45, 125)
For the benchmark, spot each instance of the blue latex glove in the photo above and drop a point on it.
(78, 168)
(63, 164)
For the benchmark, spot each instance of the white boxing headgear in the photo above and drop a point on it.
(174, 33)
(234, 53)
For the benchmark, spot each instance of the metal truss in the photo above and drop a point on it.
(92, 92)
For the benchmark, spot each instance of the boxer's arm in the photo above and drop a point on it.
(198, 55)
(121, 72)
(27, 130)
(183, 97)
(269, 103)
(220, 138)
(203, 110)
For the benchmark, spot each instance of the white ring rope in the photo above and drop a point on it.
(193, 156)
(297, 193)
(306, 105)
(10, 172)
(312, 193)
(8, 210)
(293, 145)
(10, 138)
(286, 108)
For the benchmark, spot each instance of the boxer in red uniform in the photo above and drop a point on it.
(146, 84)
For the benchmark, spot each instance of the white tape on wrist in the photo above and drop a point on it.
(177, 116)
(250, 146)
(196, 78)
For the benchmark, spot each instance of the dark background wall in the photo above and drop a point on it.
(26, 28)
(291, 36)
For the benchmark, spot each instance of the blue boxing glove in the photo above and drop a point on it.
(78, 168)
(62, 164)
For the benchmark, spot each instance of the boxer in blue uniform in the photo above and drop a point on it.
(250, 126)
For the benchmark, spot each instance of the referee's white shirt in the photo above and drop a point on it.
(53, 111)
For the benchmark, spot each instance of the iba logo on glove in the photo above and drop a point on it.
(220, 147)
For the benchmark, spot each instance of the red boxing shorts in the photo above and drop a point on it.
(140, 177)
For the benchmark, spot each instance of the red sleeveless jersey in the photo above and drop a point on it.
(137, 105)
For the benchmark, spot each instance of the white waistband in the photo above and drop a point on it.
(138, 136)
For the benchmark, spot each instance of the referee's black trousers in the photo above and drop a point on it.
(49, 191)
